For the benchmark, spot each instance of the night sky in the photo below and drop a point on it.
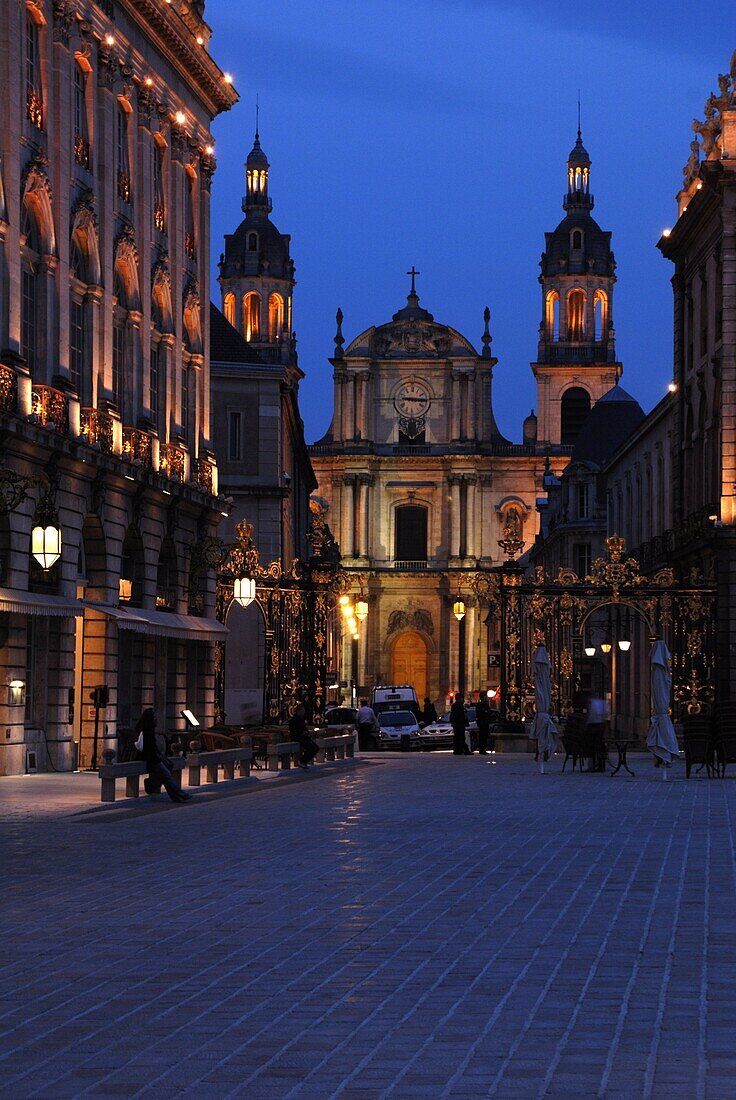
(436, 134)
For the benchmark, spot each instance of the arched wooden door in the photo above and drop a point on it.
(409, 662)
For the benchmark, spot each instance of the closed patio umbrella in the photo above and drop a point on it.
(543, 729)
(661, 739)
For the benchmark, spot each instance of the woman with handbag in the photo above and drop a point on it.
(158, 771)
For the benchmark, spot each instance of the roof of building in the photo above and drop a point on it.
(226, 343)
(597, 256)
(611, 420)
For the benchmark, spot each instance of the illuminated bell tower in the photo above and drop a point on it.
(576, 359)
(257, 272)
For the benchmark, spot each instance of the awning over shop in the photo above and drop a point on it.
(38, 603)
(164, 624)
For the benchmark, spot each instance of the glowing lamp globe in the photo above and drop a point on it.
(361, 610)
(590, 651)
(605, 647)
(244, 591)
(458, 610)
(46, 545)
(624, 645)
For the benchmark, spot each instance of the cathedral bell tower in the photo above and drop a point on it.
(257, 272)
(576, 359)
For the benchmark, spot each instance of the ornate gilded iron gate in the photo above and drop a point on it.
(554, 611)
(295, 604)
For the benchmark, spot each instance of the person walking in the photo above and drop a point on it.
(596, 730)
(367, 723)
(459, 723)
(299, 731)
(159, 774)
(429, 714)
(483, 722)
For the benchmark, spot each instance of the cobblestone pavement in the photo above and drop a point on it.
(408, 927)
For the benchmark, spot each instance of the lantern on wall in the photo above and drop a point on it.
(458, 610)
(46, 543)
(244, 591)
(361, 610)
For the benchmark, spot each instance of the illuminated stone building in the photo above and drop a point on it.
(105, 179)
(418, 479)
(262, 458)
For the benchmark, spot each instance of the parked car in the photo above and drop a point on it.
(438, 735)
(395, 697)
(395, 724)
(341, 719)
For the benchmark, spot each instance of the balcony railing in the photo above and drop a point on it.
(124, 186)
(411, 449)
(410, 566)
(8, 389)
(203, 474)
(137, 447)
(165, 599)
(81, 150)
(171, 462)
(97, 429)
(159, 217)
(34, 108)
(50, 407)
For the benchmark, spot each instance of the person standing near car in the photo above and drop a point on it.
(483, 721)
(429, 714)
(366, 725)
(459, 723)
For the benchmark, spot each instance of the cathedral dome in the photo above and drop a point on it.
(411, 332)
(609, 423)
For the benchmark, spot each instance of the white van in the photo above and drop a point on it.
(395, 697)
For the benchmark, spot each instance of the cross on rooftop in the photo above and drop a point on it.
(413, 274)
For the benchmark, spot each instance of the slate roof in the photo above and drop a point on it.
(611, 421)
(226, 343)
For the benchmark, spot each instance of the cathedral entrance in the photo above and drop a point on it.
(409, 662)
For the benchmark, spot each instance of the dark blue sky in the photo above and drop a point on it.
(435, 133)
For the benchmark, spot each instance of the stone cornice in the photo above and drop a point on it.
(194, 63)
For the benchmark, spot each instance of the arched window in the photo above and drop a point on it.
(252, 242)
(275, 316)
(552, 315)
(576, 315)
(158, 153)
(166, 576)
(577, 239)
(410, 543)
(228, 308)
(252, 316)
(575, 409)
(81, 124)
(600, 314)
(29, 301)
(34, 86)
(122, 152)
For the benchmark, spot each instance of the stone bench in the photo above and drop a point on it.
(131, 771)
(284, 751)
(337, 747)
(227, 759)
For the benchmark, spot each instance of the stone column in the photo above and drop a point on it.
(347, 531)
(454, 481)
(348, 408)
(463, 406)
(364, 483)
(338, 379)
(455, 429)
(470, 516)
(363, 426)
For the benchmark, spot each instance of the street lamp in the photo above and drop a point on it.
(458, 610)
(590, 651)
(244, 590)
(361, 610)
(46, 543)
(606, 647)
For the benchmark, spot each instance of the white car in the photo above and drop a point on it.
(393, 725)
(437, 735)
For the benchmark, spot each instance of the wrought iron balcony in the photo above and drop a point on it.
(171, 462)
(410, 566)
(34, 108)
(97, 429)
(81, 150)
(124, 186)
(137, 447)
(8, 389)
(50, 407)
(203, 474)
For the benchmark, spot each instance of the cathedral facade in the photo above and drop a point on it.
(421, 486)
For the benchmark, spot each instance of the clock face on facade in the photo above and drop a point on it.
(412, 400)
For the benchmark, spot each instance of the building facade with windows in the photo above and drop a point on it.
(421, 486)
(262, 458)
(107, 161)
